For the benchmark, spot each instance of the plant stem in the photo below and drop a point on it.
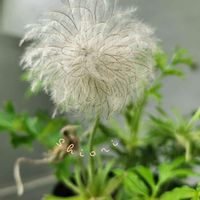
(139, 111)
(92, 133)
(73, 187)
(188, 152)
(91, 144)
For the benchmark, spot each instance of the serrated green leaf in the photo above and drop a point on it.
(181, 56)
(134, 185)
(179, 194)
(147, 175)
(172, 170)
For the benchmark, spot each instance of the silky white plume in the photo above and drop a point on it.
(90, 56)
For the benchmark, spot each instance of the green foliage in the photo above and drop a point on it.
(86, 186)
(182, 130)
(156, 155)
(142, 183)
(182, 193)
(25, 129)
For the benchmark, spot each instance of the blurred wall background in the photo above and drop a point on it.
(17, 13)
(1, 11)
(176, 23)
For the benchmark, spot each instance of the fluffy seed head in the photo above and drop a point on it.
(90, 56)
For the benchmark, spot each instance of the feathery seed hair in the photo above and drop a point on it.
(90, 56)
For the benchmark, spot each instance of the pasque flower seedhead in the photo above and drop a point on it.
(90, 56)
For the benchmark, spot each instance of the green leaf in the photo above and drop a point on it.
(147, 175)
(174, 72)
(119, 172)
(24, 129)
(32, 125)
(155, 91)
(173, 170)
(134, 185)
(179, 194)
(24, 140)
(6, 121)
(161, 60)
(9, 108)
(181, 57)
(63, 168)
(112, 185)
